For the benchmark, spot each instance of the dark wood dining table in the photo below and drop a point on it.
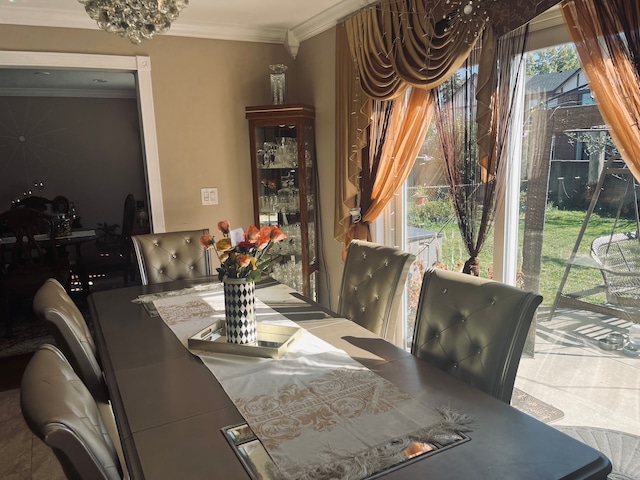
(170, 408)
(75, 238)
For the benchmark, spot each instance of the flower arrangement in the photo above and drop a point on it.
(243, 254)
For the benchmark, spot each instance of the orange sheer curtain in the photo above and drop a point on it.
(409, 123)
(405, 132)
(605, 34)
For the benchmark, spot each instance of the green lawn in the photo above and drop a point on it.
(560, 233)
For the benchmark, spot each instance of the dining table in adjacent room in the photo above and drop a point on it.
(338, 402)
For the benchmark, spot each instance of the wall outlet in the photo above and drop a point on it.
(209, 196)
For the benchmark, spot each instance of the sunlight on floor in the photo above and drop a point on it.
(593, 387)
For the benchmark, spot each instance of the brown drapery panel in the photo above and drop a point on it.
(397, 43)
(353, 111)
(607, 37)
(381, 67)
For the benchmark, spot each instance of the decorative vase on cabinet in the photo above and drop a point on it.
(283, 170)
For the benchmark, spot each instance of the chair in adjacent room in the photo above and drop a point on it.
(117, 257)
(29, 259)
(69, 328)
(473, 328)
(60, 410)
(163, 257)
(372, 283)
(34, 203)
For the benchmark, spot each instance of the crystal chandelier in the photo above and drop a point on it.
(135, 19)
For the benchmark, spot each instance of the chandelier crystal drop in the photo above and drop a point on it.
(136, 20)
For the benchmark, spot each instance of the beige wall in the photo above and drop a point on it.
(200, 89)
(316, 72)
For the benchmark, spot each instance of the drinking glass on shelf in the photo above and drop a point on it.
(289, 273)
(269, 155)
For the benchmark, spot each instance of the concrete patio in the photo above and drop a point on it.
(592, 386)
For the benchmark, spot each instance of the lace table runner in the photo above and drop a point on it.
(319, 413)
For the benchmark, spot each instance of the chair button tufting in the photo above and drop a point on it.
(355, 289)
(160, 270)
(156, 244)
(377, 297)
(362, 309)
(188, 240)
(463, 320)
(455, 365)
(479, 352)
(493, 302)
(445, 290)
(370, 275)
(191, 267)
(174, 256)
(437, 335)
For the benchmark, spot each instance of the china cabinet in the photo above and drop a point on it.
(283, 170)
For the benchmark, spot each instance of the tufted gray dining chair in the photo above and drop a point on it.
(163, 257)
(55, 307)
(372, 283)
(60, 410)
(473, 328)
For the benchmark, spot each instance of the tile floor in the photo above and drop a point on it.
(23, 456)
(569, 371)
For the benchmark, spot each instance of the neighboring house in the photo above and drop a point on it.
(575, 128)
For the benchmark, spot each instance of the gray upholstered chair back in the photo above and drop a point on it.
(60, 410)
(163, 257)
(72, 335)
(473, 328)
(372, 283)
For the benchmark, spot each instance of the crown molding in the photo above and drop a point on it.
(240, 33)
(329, 18)
(48, 17)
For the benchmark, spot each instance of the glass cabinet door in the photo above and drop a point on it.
(284, 179)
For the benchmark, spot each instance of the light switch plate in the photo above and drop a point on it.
(209, 196)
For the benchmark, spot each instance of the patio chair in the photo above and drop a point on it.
(618, 258)
(32, 257)
(473, 328)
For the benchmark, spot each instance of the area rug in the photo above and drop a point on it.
(535, 407)
(26, 338)
(621, 448)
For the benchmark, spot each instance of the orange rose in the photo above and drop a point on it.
(265, 237)
(243, 259)
(224, 227)
(277, 234)
(252, 235)
(206, 240)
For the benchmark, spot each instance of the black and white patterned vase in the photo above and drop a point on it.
(240, 311)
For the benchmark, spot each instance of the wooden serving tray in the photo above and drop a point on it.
(273, 340)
